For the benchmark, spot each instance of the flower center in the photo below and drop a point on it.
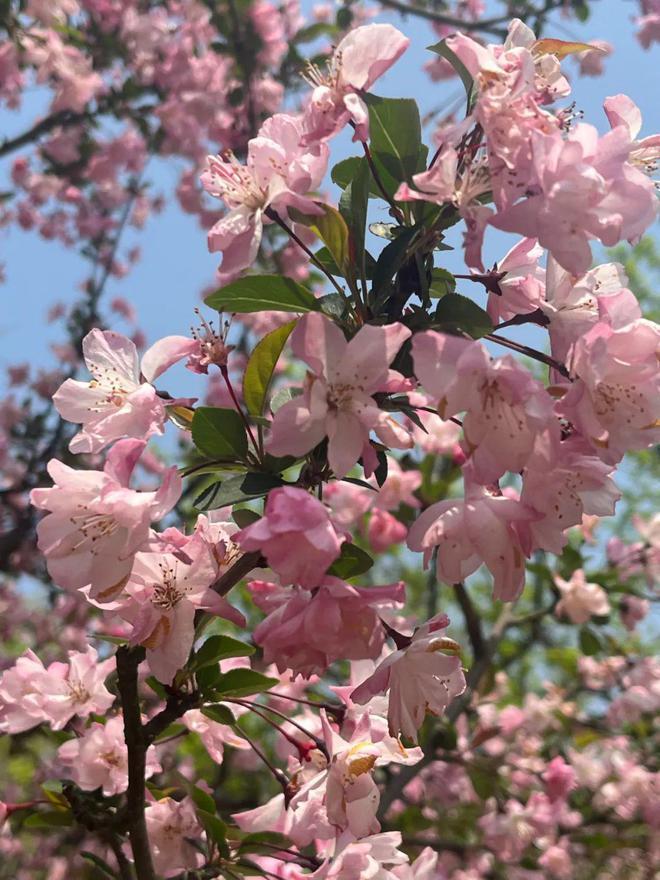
(235, 183)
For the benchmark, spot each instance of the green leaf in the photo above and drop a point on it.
(282, 396)
(459, 315)
(390, 260)
(331, 228)
(233, 490)
(49, 819)
(219, 432)
(353, 206)
(484, 781)
(395, 134)
(207, 677)
(263, 842)
(202, 799)
(442, 283)
(157, 687)
(243, 683)
(314, 31)
(98, 862)
(333, 305)
(443, 49)
(217, 648)
(352, 562)
(257, 293)
(221, 714)
(261, 366)
(590, 642)
(216, 830)
(244, 517)
(344, 172)
(325, 259)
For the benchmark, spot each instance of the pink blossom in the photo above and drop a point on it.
(161, 598)
(170, 826)
(398, 487)
(347, 502)
(616, 402)
(384, 530)
(506, 409)
(564, 483)
(557, 861)
(420, 679)
(99, 758)
(95, 523)
(481, 528)
(633, 609)
(559, 779)
(278, 174)
(295, 535)
(587, 189)
(591, 61)
(359, 59)
(116, 402)
(370, 857)
(580, 600)
(522, 288)
(425, 867)
(214, 736)
(337, 401)
(622, 111)
(308, 631)
(440, 436)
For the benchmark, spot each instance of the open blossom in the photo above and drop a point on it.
(95, 523)
(359, 59)
(295, 535)
(31, 694)
(337, 401)
(306, 631)
(480, 528)
(161, 598)
(420, 678)
(351, 793)
(370, 858)
(615, 403)
(214, 736)
(564, 483)
(119, 401)
(171, 825)
(580, 600)
(621, 110)
(278, 174)
(99, 758)
(384, 530)
(522, 288)
(506, 409)
(587, 189)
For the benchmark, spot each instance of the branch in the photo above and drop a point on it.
(63, 119)
(236, 573)
(487, 24)
(128, 660)
(530, 352)
(472, 621)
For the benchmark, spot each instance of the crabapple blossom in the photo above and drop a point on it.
(337, 400)
(278, 175)
(116, 402)
(359, 59)
(522, 289)
(171, 825)
(615, 404)
(214, 736)
(295, 535)
(95, 522)
(99, 758)
(305, 631)
(481, 528)
(370, 857)
(420, 678)
(160, 599)
(580, 600)
(506, 409)
(384, 530)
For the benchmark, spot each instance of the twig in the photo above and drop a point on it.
(487, 25)
(396, 210)
(273, 215)
(128, 660)
(530, 352)
(472, 620)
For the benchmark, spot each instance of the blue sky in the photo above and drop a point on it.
(175, 265)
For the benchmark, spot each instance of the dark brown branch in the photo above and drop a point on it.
(486, 25)
(128, 660)
(530, 352)
(237, 572)
(472, 621)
